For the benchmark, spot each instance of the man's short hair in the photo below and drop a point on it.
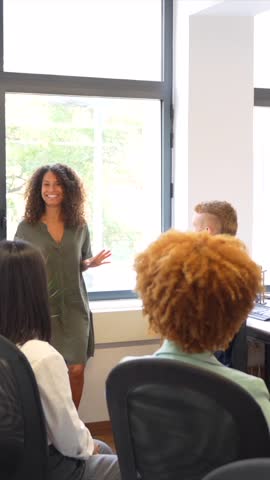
(224, 212)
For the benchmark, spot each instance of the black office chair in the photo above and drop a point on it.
(240, 350)
(176, 421)
(251, 469)
(23, 439)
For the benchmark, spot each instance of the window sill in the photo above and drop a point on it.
(124, 305)
(120, 321)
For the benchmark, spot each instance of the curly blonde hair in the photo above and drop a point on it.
(223, 211)
(197, 289)
(74, 195)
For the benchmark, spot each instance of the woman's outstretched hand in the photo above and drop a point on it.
(97, 260)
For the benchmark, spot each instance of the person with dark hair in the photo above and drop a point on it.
(54, 221)
(197, 290)
(25, 320)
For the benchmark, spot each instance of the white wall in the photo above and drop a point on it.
(93, 406)
(217, 150)
(118, 333)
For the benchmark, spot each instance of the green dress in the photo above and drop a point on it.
(72, 326)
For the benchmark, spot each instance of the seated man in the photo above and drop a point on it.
(215, 217)
(220, 217)
(197, 290)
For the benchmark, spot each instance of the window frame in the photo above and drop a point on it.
(12, 82)
(261, 97)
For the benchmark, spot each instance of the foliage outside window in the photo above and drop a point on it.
(114, 132)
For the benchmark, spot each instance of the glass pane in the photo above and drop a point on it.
(114, 145)
(261, 50)
(94, 38)
(261, 227)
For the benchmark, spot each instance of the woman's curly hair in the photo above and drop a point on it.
(74, 196)
(197, 289)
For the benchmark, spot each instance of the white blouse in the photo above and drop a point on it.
(66, 432)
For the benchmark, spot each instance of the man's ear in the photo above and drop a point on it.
(209, 230)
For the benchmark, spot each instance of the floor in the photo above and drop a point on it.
(102, 431)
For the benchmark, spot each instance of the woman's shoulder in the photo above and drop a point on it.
(25, 223)
(82, 227)
(26, 230)
(81, 231)
(25, 226)
(38, 350)
(22, 224)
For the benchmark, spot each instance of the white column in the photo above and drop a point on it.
(216, 163)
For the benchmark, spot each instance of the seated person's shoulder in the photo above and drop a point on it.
(126, 359)
(249, 382)
(38, 351)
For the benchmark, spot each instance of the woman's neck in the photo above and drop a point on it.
(52, 215)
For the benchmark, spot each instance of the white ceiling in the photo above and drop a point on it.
(231, 7)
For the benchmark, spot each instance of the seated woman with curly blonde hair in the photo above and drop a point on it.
(197, 290)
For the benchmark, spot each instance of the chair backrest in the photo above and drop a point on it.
(174, 421)
(251, 469)
(23, 438)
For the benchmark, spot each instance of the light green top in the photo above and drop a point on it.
(254, 385)
(72, 328)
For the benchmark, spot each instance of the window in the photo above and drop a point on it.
(70, 37)
(261, 43)
(110, 120)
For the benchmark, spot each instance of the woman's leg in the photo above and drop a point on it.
(103, 448)
(76, 378)
(103, 466)
(98, 467)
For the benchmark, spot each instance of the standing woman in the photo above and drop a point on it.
(54, 221)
